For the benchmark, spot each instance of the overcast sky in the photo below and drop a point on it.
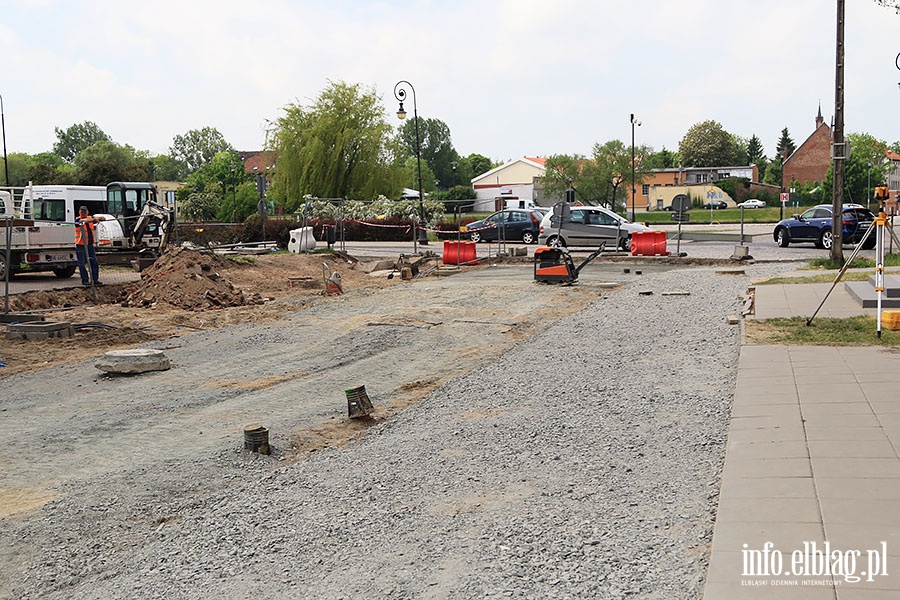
(510, 78)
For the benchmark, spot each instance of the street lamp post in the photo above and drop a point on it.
(3, 124)
(400, 95)
(633, 123)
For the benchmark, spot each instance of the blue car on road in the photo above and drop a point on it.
(815, 224)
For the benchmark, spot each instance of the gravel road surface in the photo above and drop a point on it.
(534, 442)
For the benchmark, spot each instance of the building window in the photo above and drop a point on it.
(645, 189)
(701, 177)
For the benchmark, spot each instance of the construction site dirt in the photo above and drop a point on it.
(251, 340)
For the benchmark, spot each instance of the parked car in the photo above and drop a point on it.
(588, 226)
(752, 203)
(814, 225)
(508, 225)
(715, 205)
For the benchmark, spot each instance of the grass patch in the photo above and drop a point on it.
(853, 331)
(890, 260)
(818, 278)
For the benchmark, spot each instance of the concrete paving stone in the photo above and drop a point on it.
(865, 594)
(767, 449)
(883, 403)
(861, 488)
(855, 536)
(840, 420)
(737, 591)
(788, 410)
(836, 409)
(763, 421)
(852, 449)
(766, 467)
(855, 467)
(786, 433)
(732, 535)
(830, 392)
(861, 511)
(837, 433)
(771, 510)
(768, 487)
(758, 396)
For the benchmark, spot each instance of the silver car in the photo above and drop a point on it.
(588, 226)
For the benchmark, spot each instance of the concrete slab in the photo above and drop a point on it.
(133, 362)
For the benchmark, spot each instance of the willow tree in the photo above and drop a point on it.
(340, 146)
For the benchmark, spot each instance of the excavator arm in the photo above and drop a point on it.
(166, 224)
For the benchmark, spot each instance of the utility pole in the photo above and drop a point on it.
(839, 153)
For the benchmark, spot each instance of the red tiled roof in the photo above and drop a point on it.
(537, 159)
(891, 155)
(258, 161)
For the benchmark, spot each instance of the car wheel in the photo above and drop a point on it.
(528, 237)
(826, 240)
(476, 237)
(555, 241)
(781, 236)
(625, 244)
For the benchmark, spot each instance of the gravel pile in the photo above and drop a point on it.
(583, 463)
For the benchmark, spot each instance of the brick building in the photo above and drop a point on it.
(811, 160)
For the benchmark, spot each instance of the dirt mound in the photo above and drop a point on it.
(188, 279)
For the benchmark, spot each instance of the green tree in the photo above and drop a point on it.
(611, 171)
(19, 166)
(197, 147)
(341, 146)
(664, 159)
(707, 144)
(772, 174)
(200, 206)
(107, 161)
(435, 145)
(863, 170)
(786, 145)
(239, 203)
(755, 150)
(564, 172)
(75, 139)
(165, 168)
(480, 164)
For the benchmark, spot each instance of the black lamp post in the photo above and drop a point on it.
(3, 124)
(400, 94)
(633, 123)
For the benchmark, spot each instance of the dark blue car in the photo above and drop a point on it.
(814, 225)
(510, 225)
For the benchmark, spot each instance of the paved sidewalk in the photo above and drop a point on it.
(812, 466)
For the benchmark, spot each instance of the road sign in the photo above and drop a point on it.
(785, 198)
(681, 203)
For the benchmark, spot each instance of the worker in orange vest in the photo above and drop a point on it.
(84, 245)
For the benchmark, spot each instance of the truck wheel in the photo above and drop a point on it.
(64, 272)
(12, 272)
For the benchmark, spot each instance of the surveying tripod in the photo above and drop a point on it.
(879, 226)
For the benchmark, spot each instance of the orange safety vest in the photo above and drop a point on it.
(80, 227)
